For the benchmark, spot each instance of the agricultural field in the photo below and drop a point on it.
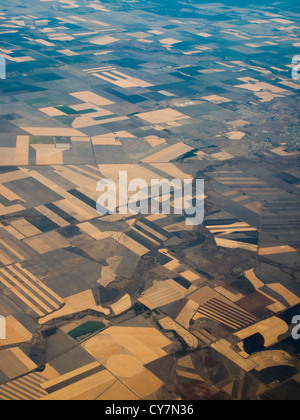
(115, 306)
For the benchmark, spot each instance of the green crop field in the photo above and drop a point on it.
(86, 330)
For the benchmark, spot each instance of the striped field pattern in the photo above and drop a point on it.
(28, 291)
(26, 388)
(229, 315)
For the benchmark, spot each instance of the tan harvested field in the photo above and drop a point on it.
(47, 242)
(59, 380)
(108, 274)
(81, 179)
(271, 329)
(258, 284)
(52, 216)
(290, 84)
(48, 154)
(215, 306)
(173, 265)
(72, 207)
(238, 123)
(81, 389)
(23, 59)
(224, 347)
(283, 249)
(169, 325)
(14, 363)
(124, 366)
(187, 314)
(255, 206)
(133, 245)
(290, 297)
(4, 259)
(204, 336)
(10, 195)
(222, 156)
(155, 141)
(235, 135)
(16, 333)
(121, 305)
(155, 217)
(226, 243)
(14, 232)
(91, 98)
(171, 170)
(83, 122)
(125, 352)
(8, 155)
(163, 116)
(74, 304)
(216, 99)
(230, 228)
(203, 295)
(27, 387)
(152, 231)
(112, 172)
(106, 140)
(92, 231)
(265, 91)
(149, 238)
(25, 228)
(190, 275)
(30, 291)
(55, 132)
(13, 176)
(133, 305)
(228, 294)
(85, 172)
(102, 346)
(177, 227)
(104, 40)
(271, 358)
(22, 150)
(119, 392)
(161, 294)
(144, 384)
(16, 251)
(120, 79)
(70, 204)
(146, 344)
(169, 41)
(250, 274)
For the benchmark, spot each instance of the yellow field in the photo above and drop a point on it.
(169, 154)
(162, 116)
(47, 242)
(16, 333)
(270, 329)
(224, 347)
(170, 325)
(30, 291)
(14, 363)
(162, 293)
(271, 358)
(74, 304)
